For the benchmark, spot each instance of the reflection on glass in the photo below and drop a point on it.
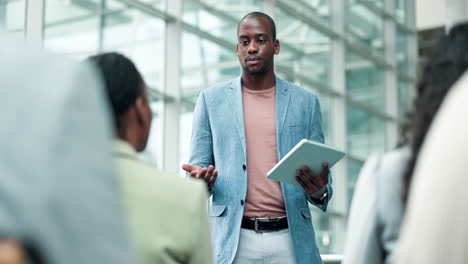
(366, 133)
(365, 82)
(304, 50)
(364, 27)
(12, 15)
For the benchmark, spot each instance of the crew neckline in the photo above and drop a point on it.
(264, 91)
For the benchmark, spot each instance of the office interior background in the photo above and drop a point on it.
(358, 56)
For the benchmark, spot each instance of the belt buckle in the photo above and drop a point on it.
(257, 230)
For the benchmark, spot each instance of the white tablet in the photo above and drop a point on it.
(306, 152)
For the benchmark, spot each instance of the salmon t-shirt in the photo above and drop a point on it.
(264, 196)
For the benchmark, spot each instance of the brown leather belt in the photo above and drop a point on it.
(261, 225)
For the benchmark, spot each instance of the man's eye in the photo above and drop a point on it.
(261, 41)
(245, 42)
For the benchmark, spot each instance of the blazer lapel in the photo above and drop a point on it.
(282, 101)
(234, 98)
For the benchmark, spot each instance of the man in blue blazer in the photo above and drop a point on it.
(242, 128)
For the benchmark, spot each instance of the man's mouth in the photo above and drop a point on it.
(253, 60)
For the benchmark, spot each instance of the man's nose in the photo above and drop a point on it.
(253, 48)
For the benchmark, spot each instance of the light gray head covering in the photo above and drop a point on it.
(57, 187)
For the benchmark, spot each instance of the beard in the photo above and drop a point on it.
(258, 71)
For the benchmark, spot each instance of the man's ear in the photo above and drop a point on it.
(276, 46)
(237, 49)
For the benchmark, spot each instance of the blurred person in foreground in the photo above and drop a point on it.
(377, 208)
(167, 214)
(435, 228)
(58, 192)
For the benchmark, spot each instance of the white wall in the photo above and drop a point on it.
(430, 13)
(436, 13)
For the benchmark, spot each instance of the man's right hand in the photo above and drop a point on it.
(207, 174)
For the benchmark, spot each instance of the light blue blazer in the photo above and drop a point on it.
(218, 138)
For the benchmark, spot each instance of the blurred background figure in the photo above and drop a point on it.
(377, 210)
(167, 214)
(58, 191)
(435, 228)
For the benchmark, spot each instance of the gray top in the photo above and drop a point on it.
(58, 190)
(376, 209)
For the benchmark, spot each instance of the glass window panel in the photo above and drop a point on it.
(400, 11)
(318, 10)
(77, 39)
(204, 64)
(321, 7)
(304, 49)
(72, 27)
(354, 168)
(329, 239)
(402, 52)
(365, 82)
(12, 15)
(158, 4)
(223, 22)
(366, 132)
(143, 41)
(65, 10)
(378, 3)
(405, 98)
(364, 27)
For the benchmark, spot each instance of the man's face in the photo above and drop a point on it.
(256, 46)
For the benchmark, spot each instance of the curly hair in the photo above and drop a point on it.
(448, 62)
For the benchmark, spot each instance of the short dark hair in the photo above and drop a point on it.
(260, 14)
(448, 62)
(122, 80)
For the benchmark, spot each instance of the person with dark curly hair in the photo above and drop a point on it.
(380, 198)
(435, 229)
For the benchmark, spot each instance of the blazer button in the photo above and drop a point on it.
(244, 167)
(242, 202)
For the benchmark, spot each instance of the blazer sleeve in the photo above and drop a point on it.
(201, 150)
(316, 134)
(201, 246)
(362, 243)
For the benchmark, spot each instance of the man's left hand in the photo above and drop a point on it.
(314, 185)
